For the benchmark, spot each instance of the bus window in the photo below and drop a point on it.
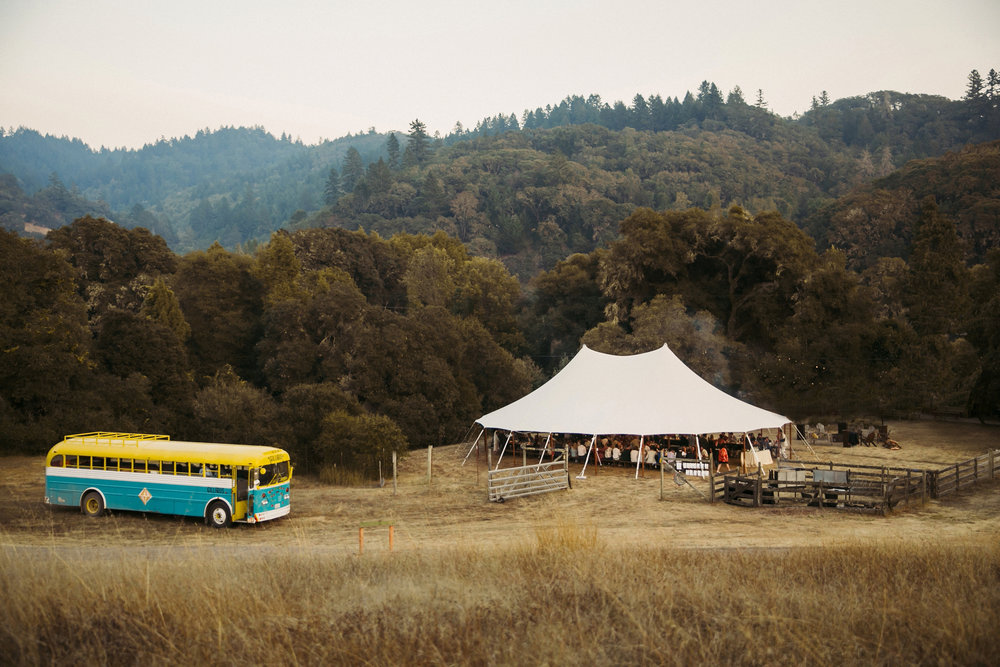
(226, 472)
(167, 467)
(125, 465)
(84, 461)
(154, 466)
(273, 473)
(57, 461)
(98, 462)
(211, 470)
(140, 466)
(70, 461)
(196, 469)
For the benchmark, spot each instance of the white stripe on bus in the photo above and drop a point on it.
(141, 477)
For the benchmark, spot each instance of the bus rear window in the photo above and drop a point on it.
(57, 461)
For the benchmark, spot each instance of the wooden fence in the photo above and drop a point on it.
(829, 484)
(528, 480)
(962, 475)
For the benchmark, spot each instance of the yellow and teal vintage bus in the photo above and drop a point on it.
(150, 473)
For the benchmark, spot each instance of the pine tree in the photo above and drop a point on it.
(993, 87)
(332, 191)
(352, 170)
(418, 147)
(760, 103)
(974, 90)
(392, 149)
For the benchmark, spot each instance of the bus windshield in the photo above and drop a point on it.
(273, 473)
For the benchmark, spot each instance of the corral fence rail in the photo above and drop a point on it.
(953, 478)
(829, 484)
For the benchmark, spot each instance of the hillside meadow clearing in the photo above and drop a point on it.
(605, 573)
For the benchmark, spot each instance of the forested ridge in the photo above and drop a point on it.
(525, 189)
(432, 279)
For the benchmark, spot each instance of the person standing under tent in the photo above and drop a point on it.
(723, 459)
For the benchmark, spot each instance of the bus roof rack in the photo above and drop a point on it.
(114, 435)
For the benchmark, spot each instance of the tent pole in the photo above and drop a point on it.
(803, 438)
(509, 436)
(545, 448)
(587, 458)
(755, 457)
(639, 462)
(474, 445)
(697, 444)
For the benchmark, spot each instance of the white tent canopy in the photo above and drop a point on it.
(653, 393)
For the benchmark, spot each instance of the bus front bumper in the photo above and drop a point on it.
(267, 515)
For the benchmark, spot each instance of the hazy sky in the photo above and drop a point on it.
(127, 73)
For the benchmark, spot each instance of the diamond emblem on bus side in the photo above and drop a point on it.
(145, 495)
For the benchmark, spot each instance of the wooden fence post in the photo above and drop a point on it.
(489, 469)
(430, 460)
(711, 482)
(566, 465)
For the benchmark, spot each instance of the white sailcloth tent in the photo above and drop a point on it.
(647, 394)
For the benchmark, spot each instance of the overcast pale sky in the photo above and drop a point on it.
(127, 73)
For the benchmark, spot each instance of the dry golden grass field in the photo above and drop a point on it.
(605, 573)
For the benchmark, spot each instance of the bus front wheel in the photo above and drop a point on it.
(218, 515)
(92, 504)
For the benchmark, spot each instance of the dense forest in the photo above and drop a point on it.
(837, 265)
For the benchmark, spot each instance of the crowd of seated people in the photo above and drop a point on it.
(624, 450)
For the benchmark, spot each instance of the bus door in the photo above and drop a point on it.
(241, 492)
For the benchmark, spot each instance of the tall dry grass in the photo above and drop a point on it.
(562, 596)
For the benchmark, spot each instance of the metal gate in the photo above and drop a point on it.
(527, 480)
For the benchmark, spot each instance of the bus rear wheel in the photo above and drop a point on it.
(92, 504)
(218, 515)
